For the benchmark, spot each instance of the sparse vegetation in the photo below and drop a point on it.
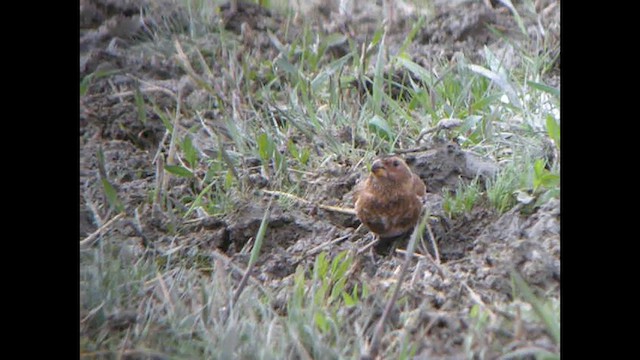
(197, 119)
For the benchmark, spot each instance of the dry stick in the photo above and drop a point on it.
(172, 143)
(316, 249)
(377, 334)
(157, 207)
(433, 242)
(325, 244)
(161, 145)
(404, 252)
(150, 88)
(243, 283)
(172, 154)
(366, 247)
(304, 201)
(88, 241)
(92, 312)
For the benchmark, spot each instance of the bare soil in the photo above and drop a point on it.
(479, 249)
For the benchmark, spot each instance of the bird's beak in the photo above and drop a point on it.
(377, 168)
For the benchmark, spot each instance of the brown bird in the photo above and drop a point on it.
(389, 201)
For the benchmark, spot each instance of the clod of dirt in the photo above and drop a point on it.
(290, 234)
(87, 224)
(283, 227)
(463, 28)
(346, 136)
(447, 164)
(455, 25)
(121, 320)
(128, 169)
(93, 12)
(334, 187)
(251, 14)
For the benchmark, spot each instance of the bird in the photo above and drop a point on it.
(389, 201)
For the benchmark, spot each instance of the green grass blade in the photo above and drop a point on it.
(517, 17)
(196, 201)
(112, 195)
(553, 129)
(331, 69)
(499, 80)
(190, 152)
(179, 170)
(381, 127)
(255, 252)
(378, 79)
(139, 101)
(545, 88)
(416, 69)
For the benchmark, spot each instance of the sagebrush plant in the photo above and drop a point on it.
(287, 112)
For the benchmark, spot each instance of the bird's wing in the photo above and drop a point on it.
(418, 186)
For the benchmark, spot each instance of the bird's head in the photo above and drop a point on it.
(391, 168)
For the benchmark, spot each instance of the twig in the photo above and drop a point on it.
(243, 283)
(433, 241)
(161, 145)
(92, 312)
(88, 241)
(150, 88)
(404, 252)
(369, 245)
(326, 244)
(157, 207)
(174, 134)
(337, 209)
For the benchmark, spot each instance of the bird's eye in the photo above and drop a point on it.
(396, 163)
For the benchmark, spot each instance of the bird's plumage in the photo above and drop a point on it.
(389, 200)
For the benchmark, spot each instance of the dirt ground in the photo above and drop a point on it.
(480, 249)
